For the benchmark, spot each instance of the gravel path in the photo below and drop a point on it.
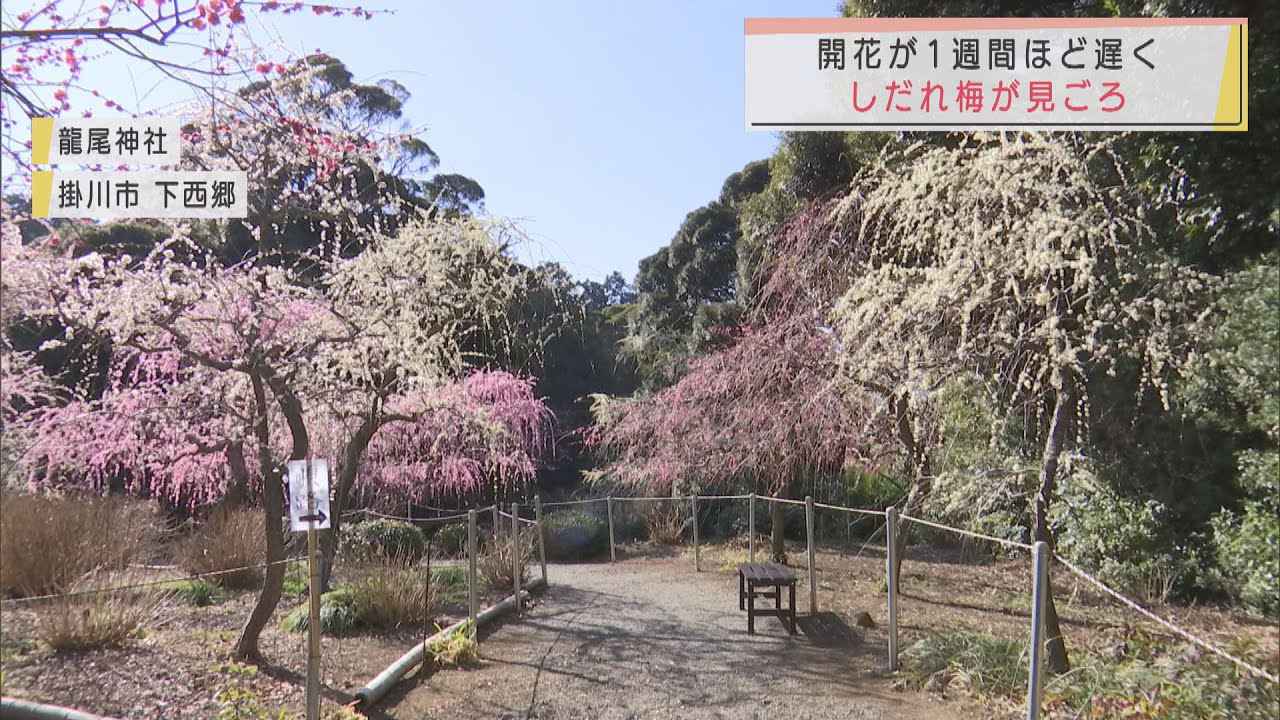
(651, 638)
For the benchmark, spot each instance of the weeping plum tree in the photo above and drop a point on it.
(763, 412)
(1026, 262)
(214, 365)
(487, 431)
(804, 270)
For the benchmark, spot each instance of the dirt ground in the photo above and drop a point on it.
(647, 637)
(176, 668)
(651, 638)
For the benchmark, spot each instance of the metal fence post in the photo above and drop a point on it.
(1040, 582)
(542, 536)
(813, 577)
(473, 598)
(517, 552)
(613, 554)
(891, 575)
(751, 528)
(497, 519)
(697, 555)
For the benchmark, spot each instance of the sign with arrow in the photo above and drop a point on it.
(308, 496)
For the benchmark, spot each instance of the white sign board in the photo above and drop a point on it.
(997, 73)
(304, 515)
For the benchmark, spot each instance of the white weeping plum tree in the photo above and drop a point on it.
(1025, 261)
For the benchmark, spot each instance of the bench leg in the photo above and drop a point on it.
(742, 593)
(751, 610)
(793, 608)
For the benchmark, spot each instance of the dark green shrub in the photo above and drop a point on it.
(451, 540)
(383, 541)
(296, 581)
(198, 592)
(575, 535)
(339, 613)
(1248, 550)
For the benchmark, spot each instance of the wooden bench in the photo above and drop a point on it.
(766, 580)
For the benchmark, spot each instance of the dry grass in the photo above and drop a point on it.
(49, 543)
(665, 524)
(496, 563)
(227, 541)
(392, 597)
(99, 619)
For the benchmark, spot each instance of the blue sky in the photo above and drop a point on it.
(598, 124)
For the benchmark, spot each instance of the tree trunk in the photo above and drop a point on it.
(777, 528)
(918, 459)
(273, 508)
(1055, 644)
(351, 456)
(237, 495)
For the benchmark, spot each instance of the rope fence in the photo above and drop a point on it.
(1039, 551)
(1165, 623)
(149, 583)
(969, 533)
(824, 506)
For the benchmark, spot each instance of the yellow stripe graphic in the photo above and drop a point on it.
(1233, 92)
(41, 192)
(41, 137)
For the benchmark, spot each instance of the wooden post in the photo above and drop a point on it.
(516, 553)
(813, 577)
(891, 574)
(473, 597)
(1039, 584)
(497, 519)
(751, 528)
(697, 555)
(542, 536)
(313, 616)
(613, 555)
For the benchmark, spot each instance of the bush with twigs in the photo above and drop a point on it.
(93, 620)
(665, 523)
(47, 543)
(496, 564)
(227, 541)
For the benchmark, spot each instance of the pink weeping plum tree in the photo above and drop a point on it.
(763, 414)
(220, 375)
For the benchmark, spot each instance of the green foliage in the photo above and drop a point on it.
(1155, 678)
(449, 577)
(989, 665)
(339, 613)
(457, 649)
(697, 268)
(237, 700)
(385, 598)
(1126, 542)
(198, 592)
(383, 540)
(1248, 543)
(1236, 382)
(296, 581)
(451, 540)
(1143, 676)
(575, 535)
